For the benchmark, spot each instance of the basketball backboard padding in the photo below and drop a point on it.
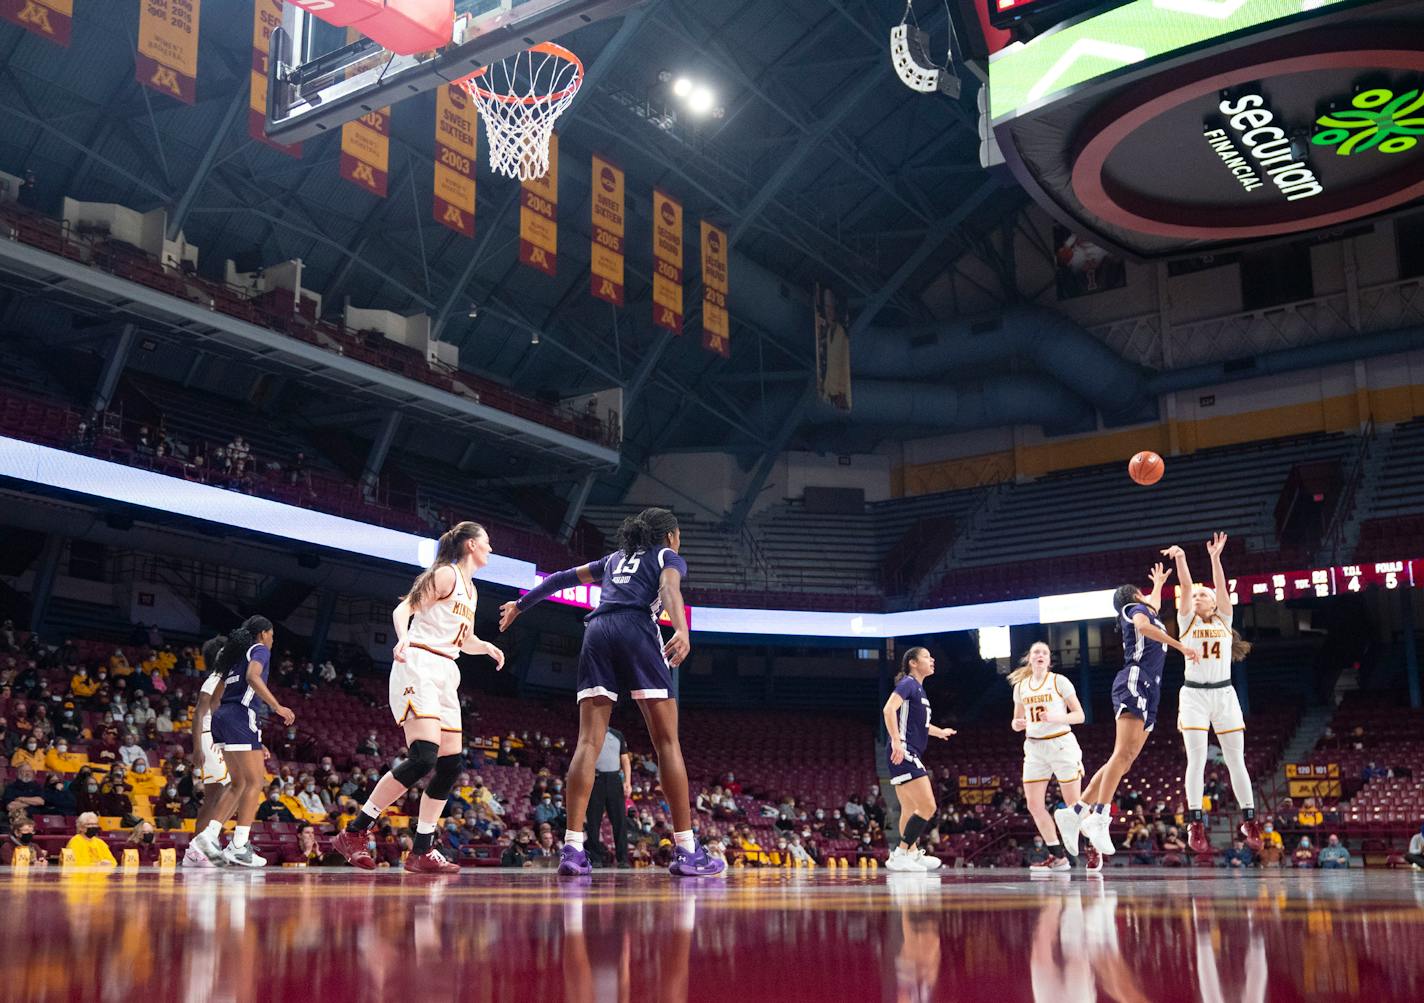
(309, 94)
(401, 26)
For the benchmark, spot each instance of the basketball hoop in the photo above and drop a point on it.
(520, 98)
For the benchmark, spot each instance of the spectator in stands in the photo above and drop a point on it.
(368, 746)
(641, 855)
(1334, 855)
(114, 800)
(1239, 855)
(1272, 847)
(308, 850)
(144, 840)
(1037, 853)
(143, 782)
(131, 751)
(1142, 841)
(519, 852)
(1173, 848)
(854, 812)
(89, 849)
(730, 784)
(328, 672)
(163, 724)
(81, 686)
(310, 800)
(58, 758)
(106, 750)
(1309, 815)
(29, 754)
(506, 756)
(296, 471)
(58, 799)
(23, 793)
(70, 726)
(1372, 771)
(168, 808)
(22, 834)
(1304, 855)
(273, 810)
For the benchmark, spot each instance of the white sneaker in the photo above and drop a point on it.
(1095, 827)
(1069, 822)
(902, 860)
(926, 861)
(208, 848)
(245, 857)
(194, 857)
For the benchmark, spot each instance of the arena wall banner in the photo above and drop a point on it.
(266, 15)
(832, 346)
(456, 154)
(539, 217)
(606, 255)
(167, 58)
(51, 19)
(716, 323)
(366, 146)
(667, 262)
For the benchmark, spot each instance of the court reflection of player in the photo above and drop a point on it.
(1083, 928)
(598, 949)
(911, 959)
(1209, 979)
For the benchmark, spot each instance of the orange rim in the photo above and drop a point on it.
(550, 48)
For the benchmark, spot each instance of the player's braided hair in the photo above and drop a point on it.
(911, 655)
(240, 640)
(448, 550)
(1125, 596)
(646, 530)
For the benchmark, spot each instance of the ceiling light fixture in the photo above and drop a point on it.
(682, 87)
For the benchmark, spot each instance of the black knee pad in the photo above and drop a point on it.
(418, 762)
(447, 768)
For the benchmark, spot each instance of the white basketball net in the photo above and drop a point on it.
(520, 98)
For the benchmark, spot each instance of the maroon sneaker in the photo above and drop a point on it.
(352, 846)
(1196, 838)
(1251, 832)
(1093, 860)
(429, 862)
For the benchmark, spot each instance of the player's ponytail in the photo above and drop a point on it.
(646, 530)
(911, 655)
(211, 649)
(240, 641)
(448, 550)
(1240, 647)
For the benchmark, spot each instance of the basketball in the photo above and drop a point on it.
(1146, 467)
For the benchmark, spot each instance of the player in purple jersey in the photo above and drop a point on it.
(623, 653)
(907, 725)
(244, 663)
(1136, 692)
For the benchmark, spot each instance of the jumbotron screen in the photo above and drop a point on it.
(1007, 13)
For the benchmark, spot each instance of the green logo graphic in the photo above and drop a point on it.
(1378, 121)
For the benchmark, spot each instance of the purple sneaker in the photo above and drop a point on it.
(695, 865)
(573, 862)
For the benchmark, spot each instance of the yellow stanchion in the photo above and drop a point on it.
(66, 857)
(130, 857)
(21, 860)
(167, 858)
(862, 863)
(874, 864)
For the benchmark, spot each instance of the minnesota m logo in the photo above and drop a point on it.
(364, 174)
(36, 17)
(165, 79)
(409, 691)
(454, 217)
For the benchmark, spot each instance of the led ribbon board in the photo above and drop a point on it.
(1026, 76)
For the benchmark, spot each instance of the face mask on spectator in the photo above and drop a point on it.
(311, 788)
(173, 792)
(93, 788)
(27, 837)
(274, 796)
(140, 766)
(147, 837)
(91, 831)
(31, 746)
(61, 748)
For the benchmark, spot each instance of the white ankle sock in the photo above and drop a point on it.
(213, 830)
(686, 840)
(575, 837)
(239, 836)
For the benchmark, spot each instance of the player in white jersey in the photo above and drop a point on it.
(1208, 699)
(209, 767)
(434, 624)
(1046, 707)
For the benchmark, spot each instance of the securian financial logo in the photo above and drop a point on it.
(1378, 121)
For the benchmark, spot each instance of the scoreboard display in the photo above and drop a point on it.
(1321, 583)
(1007, 13)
